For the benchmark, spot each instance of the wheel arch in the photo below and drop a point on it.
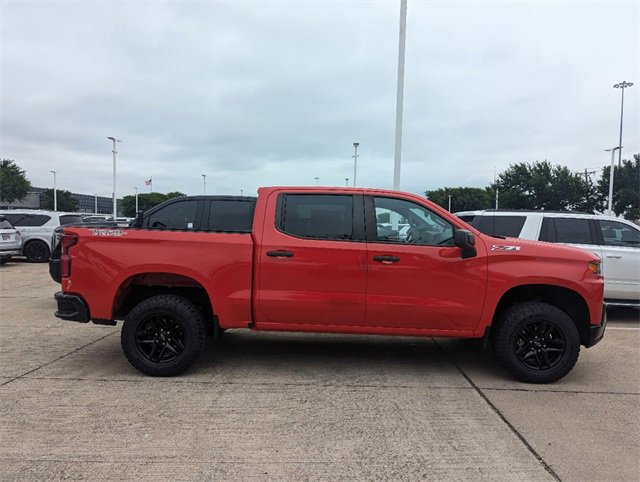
(141, 286)
(565, 299)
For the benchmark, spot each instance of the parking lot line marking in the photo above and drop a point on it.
(623, 328)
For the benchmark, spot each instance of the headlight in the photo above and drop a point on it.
(594, 267)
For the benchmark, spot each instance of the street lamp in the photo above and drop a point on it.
(450, 202)
(316, 178)
(346, 181)
(95, 200)
(55, 192)
(613, 152)
(114, 175)
(136, 200)
(622, 85)
(355, 162)
(400, 95)
(204, 183)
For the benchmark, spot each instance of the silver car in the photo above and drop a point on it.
(10, 241)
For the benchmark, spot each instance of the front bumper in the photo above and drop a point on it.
(596, 332)
(71, 307)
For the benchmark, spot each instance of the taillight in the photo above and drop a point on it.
(67, 241)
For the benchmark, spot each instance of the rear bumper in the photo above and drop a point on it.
(71, 307)
(7, 253)
(596, 332)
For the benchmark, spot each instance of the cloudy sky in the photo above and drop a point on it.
(255, 93)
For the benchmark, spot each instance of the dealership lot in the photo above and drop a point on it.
(296, 406)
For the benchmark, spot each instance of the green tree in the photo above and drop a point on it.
(626, 189)
(462, 198)
(145, 201)
(541, 185)
(14, 184)
(65, 200)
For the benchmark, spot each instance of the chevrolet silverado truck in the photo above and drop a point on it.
(316, 260)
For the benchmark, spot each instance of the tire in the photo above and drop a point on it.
(537, 342)
(163, 336)
(5, 260)
(36, 252)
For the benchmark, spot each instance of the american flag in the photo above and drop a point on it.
(148, 183)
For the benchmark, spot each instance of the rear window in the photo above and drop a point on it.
(468, 218)
(70, 219)
(4, 224)
(231, 215)
(500, 225)
(317, 216)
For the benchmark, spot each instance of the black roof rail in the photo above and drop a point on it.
(554, 211)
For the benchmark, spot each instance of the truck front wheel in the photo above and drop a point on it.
(163, 336)
(537, 342)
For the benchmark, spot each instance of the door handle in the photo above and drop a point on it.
(280, 254)
(386, 259)
(614, 256)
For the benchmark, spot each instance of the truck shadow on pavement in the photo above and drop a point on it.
(376, 359)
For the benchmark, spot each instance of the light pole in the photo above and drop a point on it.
(613, 155)
(204, 183)
(316, 178)
(114, 140)
(400, 95)
(346, 181)
(622, 85)
(55, 192)
(355, 162)
(241, 192)
(136, 200)
(450, 202)
(95, 201)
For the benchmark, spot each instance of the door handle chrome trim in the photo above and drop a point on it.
(614, 256)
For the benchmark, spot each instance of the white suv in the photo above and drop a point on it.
(36, 228)
(615, 240)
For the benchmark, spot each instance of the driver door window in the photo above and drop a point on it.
(404, 222)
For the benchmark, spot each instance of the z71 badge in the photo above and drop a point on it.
(502, 247)
(108, 232)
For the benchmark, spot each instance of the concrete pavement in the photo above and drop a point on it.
(278, 406)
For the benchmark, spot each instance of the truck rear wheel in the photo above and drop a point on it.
(537, 342)
(163, 336)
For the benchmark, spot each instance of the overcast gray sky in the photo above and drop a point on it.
(269, 93)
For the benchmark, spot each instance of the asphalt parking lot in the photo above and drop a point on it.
(303, 407)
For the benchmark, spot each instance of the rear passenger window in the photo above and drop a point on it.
(501, 225)
(178, 215)
(317, 216)
(619, 234)
(566, 230)
(229, 215)
(31, 220)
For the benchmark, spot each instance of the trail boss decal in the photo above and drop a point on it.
(502, 247)
(108, 232)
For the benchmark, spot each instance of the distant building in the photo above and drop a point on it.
(86, 202)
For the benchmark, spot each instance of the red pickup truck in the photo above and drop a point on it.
(335, 260)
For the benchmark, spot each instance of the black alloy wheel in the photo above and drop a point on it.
(536, 342)
(36, 252)
(540, 345)
(163, 335)
(160, 338)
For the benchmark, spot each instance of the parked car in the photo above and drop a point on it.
(36, 228)
(314, 260)
(10, 241)
(615, 240)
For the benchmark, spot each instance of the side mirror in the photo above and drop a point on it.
(466, 241)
